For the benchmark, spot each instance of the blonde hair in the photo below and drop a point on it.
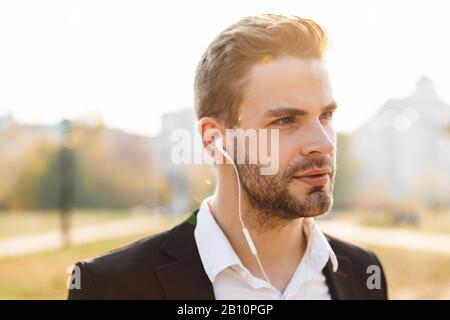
(220, 76)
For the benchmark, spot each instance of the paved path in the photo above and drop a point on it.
(21, 245)
(389, 237)
(15, 246)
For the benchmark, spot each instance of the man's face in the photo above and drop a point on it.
(294, 96)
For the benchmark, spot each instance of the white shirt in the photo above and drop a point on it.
(232, 280)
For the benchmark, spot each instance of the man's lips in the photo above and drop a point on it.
(316, 177)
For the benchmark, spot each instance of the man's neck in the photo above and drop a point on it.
(280, 244)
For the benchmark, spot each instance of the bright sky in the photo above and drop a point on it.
(132, 61)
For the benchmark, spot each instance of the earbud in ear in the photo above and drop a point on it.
(219, 146)
(219, 142)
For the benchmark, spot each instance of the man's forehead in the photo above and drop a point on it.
(288, 81)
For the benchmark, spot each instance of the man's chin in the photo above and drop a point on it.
(315, 203)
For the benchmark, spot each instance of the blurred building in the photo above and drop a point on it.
(403, 151)
(175, 174)
(15, 137)
(5, 121)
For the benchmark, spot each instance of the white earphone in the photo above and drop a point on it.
(219, 145)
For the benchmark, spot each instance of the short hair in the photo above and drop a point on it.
(220, 76)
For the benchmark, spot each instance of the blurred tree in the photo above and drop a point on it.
(26, 191)
(110, 169)
(119, 168)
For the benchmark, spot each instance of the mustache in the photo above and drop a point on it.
(308, 164)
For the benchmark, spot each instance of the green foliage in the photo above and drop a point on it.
(100, 169)
(26, 192)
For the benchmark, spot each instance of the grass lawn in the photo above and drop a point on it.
(43, 275)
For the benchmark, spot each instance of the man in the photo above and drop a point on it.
(264, 72)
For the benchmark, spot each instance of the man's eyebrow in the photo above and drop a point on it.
(330, 107)
(287, 111)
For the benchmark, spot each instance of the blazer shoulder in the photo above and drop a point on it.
(122, 273)
(364, 262)
(140, 249)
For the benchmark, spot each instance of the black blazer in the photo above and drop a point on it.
(168, 266)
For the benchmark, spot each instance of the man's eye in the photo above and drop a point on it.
(327, 115)
(283, 121)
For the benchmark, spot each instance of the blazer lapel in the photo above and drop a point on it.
(340, 282)
(185, 278)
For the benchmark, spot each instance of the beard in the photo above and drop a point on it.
(270, 195)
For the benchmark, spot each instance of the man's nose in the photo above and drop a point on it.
(319, 140)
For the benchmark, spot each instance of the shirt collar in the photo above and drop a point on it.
(318, 246)
(212, 243)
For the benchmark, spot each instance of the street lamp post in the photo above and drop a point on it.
(66, 182)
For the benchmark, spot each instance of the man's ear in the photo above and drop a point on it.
(210, 130)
